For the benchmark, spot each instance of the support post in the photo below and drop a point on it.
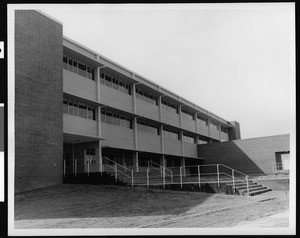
(88, 167)
(147, 178)
(64, 168)
(131, 178)
(116, 172)
(164, 177)
(247, 184)
(180, 176)
(172, 177)
(233, 182)
(75, 167)
(218, 174)
(199, 176)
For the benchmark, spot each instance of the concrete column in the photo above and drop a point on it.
(220, 131)
(97, 81)
(160, 108)
(196, 119)
(136, 161)
(209, 133)
(162, 139)
(180, 116)
(134, 127)
(182, 143)
(100, 157)
(133, 98)
(183, 166)
(197, 139)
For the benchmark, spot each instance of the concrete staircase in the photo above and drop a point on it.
(254, 188)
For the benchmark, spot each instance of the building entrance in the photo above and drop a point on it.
(90, 164)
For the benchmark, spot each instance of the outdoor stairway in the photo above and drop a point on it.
(254, 188)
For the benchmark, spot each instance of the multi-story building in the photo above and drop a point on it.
(72, 103)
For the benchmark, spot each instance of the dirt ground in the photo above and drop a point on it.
(98, 206)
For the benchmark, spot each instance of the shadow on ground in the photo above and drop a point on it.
(91, 201)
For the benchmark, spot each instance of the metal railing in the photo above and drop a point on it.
(195, 174)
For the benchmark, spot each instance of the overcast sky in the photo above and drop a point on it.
(235, 60)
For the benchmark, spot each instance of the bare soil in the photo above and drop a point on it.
(98, 206)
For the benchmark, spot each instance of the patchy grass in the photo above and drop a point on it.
(98, 206)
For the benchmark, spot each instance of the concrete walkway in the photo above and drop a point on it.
(277, 220)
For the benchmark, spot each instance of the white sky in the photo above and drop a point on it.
(235, 60)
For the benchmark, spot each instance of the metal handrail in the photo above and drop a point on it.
(115, 163)
(160, 166)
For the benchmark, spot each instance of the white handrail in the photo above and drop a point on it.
(159, 166)
(115, 163)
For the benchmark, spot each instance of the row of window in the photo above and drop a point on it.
(189, 139)
(148, 97)
(202, 121)
(169, 106)
(77, 67)
(147, 127)
(187, 114)
(115, 83)
(115, 119)
(214, 125)
(171, 134)
(79, 109)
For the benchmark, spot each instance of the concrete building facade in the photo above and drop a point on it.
(263, 155)
(75, 106)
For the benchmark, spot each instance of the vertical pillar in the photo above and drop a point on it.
(73, 158)
(98, 116)
(196, 119)
(160, 108)
(182, 143)
(219, 131)
(209, 129)
(133, 97)
(136, 161)
(162, 139)
(134, 125)
(183, 166)
(180, 115)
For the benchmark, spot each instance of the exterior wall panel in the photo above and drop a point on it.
(253, 156)
(115, 136)
(188, 124)
(38, 101)
(170, 117)
(115, 98)
(78, 125)
(79, 86)
(147, 109)
(203, 130)
(172, 147)
(190, 150)
(149, 142)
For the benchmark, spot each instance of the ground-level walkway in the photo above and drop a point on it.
(278, 220)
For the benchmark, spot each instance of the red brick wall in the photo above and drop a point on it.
(251, 156)
(38, 101)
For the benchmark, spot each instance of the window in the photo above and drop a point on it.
(282, 161)
(203, 121)
(115, 83)
(115, 119)
(145, 96)
(77, 67)
(147, 127)
(189, 139)
(78, 109)
(171, 134)
(169, 106)
(188, 114)
(214, 125)
(224, 129)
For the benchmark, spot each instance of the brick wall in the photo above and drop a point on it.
(251, 156)
(38, 101)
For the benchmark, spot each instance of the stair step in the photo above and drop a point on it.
(259, 192)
